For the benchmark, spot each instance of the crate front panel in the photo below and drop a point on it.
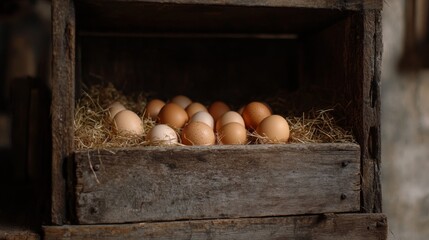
(176, 183)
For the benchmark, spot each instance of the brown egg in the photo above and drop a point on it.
(152, 108)
(217, 109)
(203, 117)
(114, 108)
(198, 133)
(274, 128)
(233, 133)
(254, 113)
(194, 108)
(228, 117)
(173, 115)
(128, 122)
(181, 100)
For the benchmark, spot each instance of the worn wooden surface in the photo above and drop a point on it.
(18, 233)
(352, 81)
(62, 109)
(371, 152)
(153, 184)
(329, 227)
(138, 17)
(328, 4)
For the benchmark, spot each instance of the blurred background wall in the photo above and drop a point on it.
(405, 118)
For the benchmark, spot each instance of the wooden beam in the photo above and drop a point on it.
(62, 109)
(371, 152)
(327, 4)
(329, 227)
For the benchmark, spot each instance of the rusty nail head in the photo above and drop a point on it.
(343, 196)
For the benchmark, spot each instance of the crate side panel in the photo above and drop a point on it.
(371, 137)
(62, 107)
(342, 226)
(156, 184)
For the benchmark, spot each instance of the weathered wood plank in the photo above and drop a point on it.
(62, 108)
(18, 233)
(102, 16)
(371, 152)
(342, 226)
(153, 183)
(327, 4)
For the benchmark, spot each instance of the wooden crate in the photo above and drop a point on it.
(314, 54)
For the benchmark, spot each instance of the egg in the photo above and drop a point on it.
(254, 113)
(173, 115)
(274, 128)
(152, 108)
(162, 134)
(195, 107)
(203, 117)
(232, 133)
(181, 100)
(217, 109)
(114, 108)
(198, 133)
(128, 122)
(228, 117)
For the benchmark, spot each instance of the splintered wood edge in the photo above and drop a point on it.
(324, 226)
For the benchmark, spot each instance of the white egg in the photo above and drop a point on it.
(204, 117)
(162, 134)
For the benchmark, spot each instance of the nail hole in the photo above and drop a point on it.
(96, 167)
(93, 210)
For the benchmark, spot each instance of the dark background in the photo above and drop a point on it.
(24, 115)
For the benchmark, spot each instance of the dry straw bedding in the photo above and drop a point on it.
(94, 129)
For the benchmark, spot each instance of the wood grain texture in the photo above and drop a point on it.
(153, 184)
(328, 4)
(18, 233)
(371, 152)
(168, 17)
(62, 108)
(329, 227)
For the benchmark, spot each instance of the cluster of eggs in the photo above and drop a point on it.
(201, 125)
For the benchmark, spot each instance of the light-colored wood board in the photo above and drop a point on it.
(330, 227)
(171, 183)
